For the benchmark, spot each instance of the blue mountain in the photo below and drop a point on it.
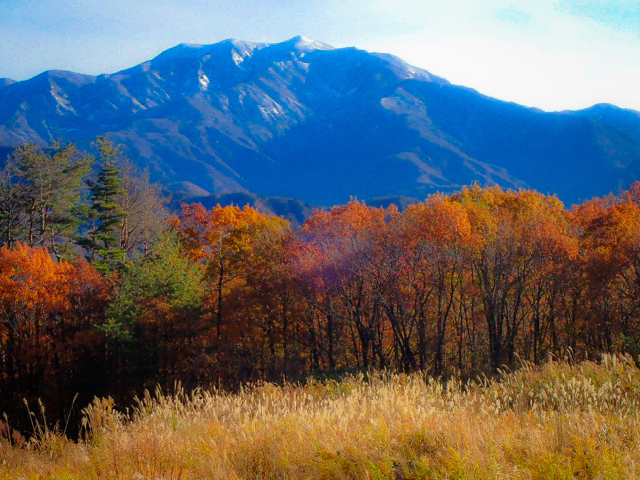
(304, 120)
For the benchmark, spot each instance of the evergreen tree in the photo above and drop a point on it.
(105, 212)
(155, 315)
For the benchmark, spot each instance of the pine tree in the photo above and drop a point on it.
(105, 213)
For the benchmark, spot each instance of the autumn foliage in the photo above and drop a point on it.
(466, 283)
(49, 343)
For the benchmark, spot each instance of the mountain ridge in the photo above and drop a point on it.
(305, 120)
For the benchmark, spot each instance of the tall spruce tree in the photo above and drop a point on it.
(105, 213)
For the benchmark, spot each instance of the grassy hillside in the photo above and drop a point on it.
(558, 421)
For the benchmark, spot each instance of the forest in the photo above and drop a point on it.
(105, 293)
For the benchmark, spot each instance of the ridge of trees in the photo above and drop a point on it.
(467, 282)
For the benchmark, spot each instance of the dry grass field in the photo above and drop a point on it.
(556, 421)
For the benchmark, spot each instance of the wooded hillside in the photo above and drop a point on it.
(466, 282)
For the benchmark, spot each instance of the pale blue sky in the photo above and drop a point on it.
(554, 55)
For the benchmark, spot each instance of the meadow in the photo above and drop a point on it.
(560, 420)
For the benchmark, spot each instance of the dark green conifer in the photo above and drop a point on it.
(105, 213)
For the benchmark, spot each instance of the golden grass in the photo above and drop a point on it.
(555, 421)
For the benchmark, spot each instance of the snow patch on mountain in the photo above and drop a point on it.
(236, 57)
(306, 45)
(203, 80)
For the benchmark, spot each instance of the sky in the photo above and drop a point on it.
(553, 55)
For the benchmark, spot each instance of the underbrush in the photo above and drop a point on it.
(558, 420)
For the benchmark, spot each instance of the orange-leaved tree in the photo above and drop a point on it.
(239, 248)
(517, 235)
(435, 237)
(340, 265)
(609, 233)
(48, 311)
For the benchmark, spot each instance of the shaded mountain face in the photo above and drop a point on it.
(301, 119)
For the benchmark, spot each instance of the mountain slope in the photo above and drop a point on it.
(303, 120)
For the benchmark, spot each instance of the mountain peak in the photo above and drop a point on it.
(306, 44)
(193, 50)
(300, 43)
